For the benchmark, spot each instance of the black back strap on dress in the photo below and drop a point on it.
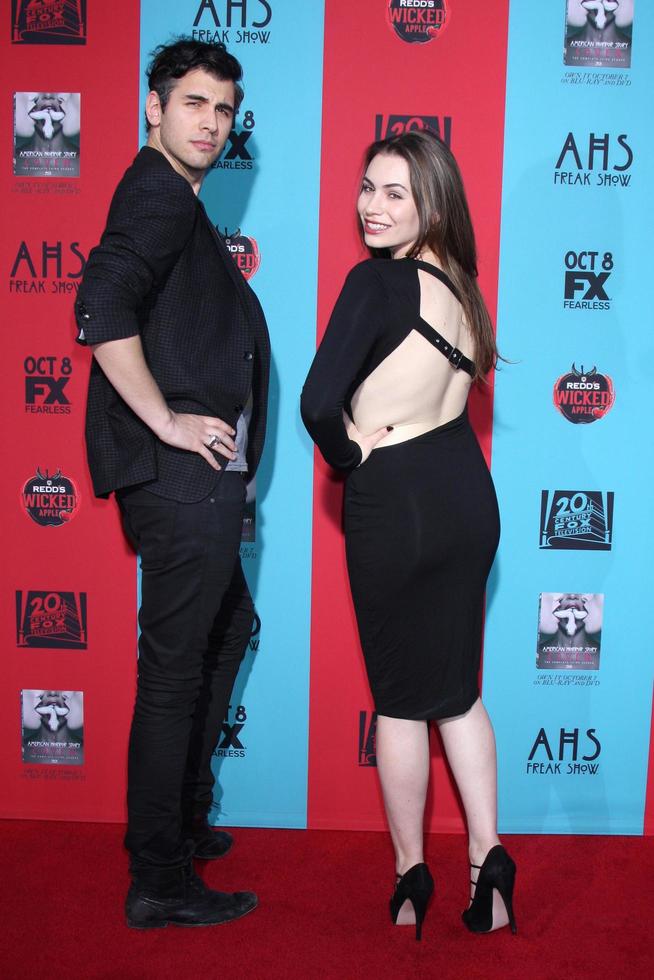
(457, 358)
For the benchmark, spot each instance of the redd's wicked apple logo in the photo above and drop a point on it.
(584, 396)
(245, 252)
(50, 501)
(418, 21)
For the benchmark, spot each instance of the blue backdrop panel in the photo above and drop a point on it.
(573, 737)
(266, 186)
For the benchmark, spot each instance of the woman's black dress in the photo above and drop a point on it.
(421, 518)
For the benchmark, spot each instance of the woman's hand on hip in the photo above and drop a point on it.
(366, 443)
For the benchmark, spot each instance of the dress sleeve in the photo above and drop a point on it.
(149, 223)
(354, 326)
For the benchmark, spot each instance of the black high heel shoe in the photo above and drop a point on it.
(497, 871)
(417, 886)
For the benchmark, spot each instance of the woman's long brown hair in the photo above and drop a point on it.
(445, 227)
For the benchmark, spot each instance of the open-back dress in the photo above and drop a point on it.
(421, 517)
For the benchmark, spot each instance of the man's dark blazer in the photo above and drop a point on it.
(161, 271)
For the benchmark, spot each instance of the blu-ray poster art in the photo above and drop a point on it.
(47, 134)
(569, 630)
(598, 33)
(52, 727)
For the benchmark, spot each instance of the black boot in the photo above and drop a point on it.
(208, 843)
(177, 896)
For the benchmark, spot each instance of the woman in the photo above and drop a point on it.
(385, 399)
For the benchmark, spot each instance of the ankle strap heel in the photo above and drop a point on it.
(497, 872)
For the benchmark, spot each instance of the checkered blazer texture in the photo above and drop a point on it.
(162, 271)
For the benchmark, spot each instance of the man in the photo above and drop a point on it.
(181, 358)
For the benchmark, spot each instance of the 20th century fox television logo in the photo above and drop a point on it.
(396, 124)
(579, 520)
(48, 21)
(50, 619)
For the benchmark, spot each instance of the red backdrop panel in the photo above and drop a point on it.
(459, 77)
(87, 555)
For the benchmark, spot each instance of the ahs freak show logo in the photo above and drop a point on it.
(230, 744)
(583, 396)
(596, 161)
(586, 276)
(367, 738)
(46, 268)
(46, 377)
(394, 125)
(48, 21)
(238, 153)
(51, 620)
(245, 252)
(566, 752)
(579, 520)
(50, 501)
(418, 21)
(232, 21)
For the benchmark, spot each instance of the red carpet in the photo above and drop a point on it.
(584, 907)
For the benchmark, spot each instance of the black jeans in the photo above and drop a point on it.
(196, 617)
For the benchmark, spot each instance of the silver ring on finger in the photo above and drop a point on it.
(214, 442)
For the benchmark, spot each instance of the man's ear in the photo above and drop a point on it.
(153, 109)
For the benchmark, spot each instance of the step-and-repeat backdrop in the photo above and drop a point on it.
(546, 108)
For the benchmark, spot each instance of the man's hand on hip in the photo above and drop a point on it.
(125, 366)
(199, 434)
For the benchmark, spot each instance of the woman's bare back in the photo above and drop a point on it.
(415, 388)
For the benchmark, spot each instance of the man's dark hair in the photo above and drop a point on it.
(170, 62)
